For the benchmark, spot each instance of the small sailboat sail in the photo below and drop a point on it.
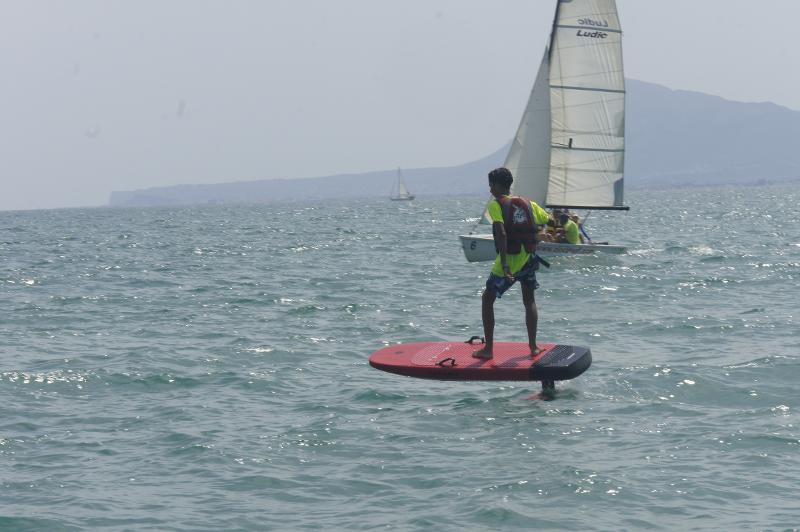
(569, 149)
(400, 191)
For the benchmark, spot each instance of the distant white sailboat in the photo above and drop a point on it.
(569, 150)
(400, 191)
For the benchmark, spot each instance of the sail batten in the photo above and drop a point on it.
(597, 89)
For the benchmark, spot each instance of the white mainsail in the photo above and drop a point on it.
(587, 106)
(569, 149)
(401, 185)
(402, 190)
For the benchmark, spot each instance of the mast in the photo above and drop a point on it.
(553, 31)
(402, 190)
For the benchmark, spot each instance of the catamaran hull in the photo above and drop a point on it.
(479, 248)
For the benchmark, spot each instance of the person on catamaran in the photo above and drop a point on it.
(515, 221)
(549, 231)
(569, 232)
(581, 231)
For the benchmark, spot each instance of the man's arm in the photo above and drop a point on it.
(539, 215)
(499, 233)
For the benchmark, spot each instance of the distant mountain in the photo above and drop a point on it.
(678, 138)
(467, 179)
(674, 138)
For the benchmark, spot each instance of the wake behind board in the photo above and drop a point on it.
(511, 362)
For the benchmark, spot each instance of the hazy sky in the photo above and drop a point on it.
(102, 95)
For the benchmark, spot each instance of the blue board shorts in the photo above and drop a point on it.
(526, 276)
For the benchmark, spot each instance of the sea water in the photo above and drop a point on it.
(206, 368)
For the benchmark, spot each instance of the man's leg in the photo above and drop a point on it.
(531, 316)
(487, 314)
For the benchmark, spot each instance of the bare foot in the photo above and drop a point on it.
(484, 353)
(536, 351)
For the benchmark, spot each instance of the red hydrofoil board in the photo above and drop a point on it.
(511, 362)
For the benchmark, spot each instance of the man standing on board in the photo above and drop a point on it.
(514, 226)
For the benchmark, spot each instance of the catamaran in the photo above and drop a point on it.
(569, 150)
(400, 191)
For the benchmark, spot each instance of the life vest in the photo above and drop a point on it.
(519, 223)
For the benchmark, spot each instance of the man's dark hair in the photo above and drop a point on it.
(501, 176)
(563, 217)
